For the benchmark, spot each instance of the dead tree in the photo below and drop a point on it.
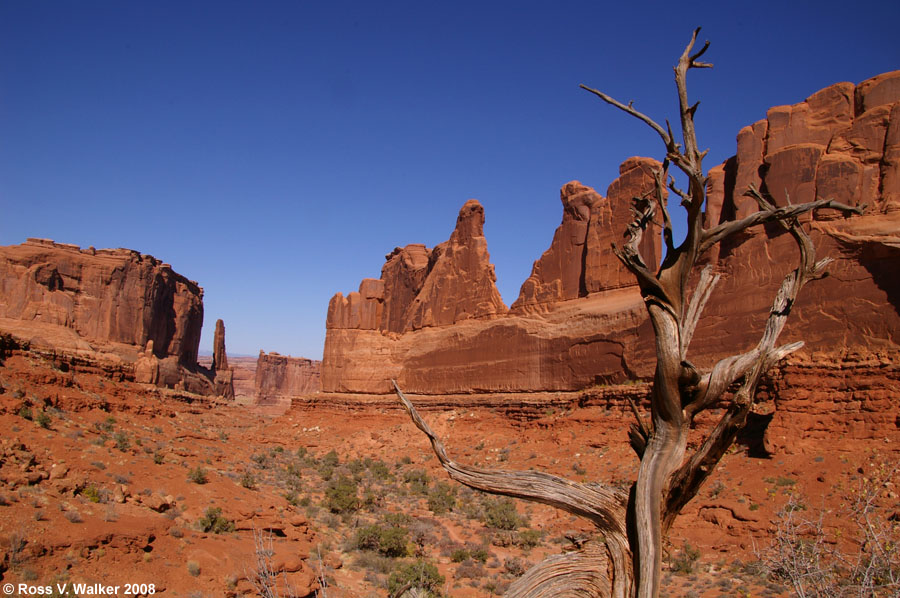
(634, 525)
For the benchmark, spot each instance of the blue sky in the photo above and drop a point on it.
(276, 151)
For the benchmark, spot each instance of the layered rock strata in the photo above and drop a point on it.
(282, 376)
(580, 320)
(60, 295)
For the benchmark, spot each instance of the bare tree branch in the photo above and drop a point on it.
(602, 505)
(667, 139)
(770, 214)
(701, 295)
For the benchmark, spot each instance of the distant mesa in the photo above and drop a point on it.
(281, 377)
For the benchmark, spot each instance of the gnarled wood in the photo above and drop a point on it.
(629, 563)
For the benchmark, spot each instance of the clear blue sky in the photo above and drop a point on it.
(276, 151)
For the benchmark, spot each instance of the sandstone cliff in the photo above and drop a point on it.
(421, 288)
(59, 295)
(223, 380)
(280, 376)
(579, 319)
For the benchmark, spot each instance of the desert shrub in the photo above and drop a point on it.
(417, 480)
(375, 562)
(459, 555)
(330, 459)
(25, 412)
(74, 516)
(388, 540)
(818, 561)
(685, 560)
(356, 467)
(478, 553)
(43, 419)
(193, 568)
(261, 460)
(379, 469)
(158, 458)
(122, 442)
(198, 475)
(529, 538)
(514, 566)
(340, 495)
(91, 493)
(441, 498)
(420, 574)
(213, 521)
(248, 481)
(501, 514)
(471, 570)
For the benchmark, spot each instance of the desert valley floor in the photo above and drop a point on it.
(120, 483)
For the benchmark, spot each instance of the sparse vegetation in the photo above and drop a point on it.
(213, 521)
(421, 574)
(198, 475)
(341, 495)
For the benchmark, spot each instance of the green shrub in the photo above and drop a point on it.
(389, 540)
(379, 469)
(214, 522)
(25, 412)
(441, 498)
(529, 538)
(122, 442)
(198, 475)
(501, 514)
(459, 555)
(417, 480)
(420, 574)
(91, 493)
(248, 481)
(331, 459)
(43, 419)
(685, 560)
(340, 495)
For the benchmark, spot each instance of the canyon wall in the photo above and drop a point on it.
(434, 320)
(281, 376)
(60, 295)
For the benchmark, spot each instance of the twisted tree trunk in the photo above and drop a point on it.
(634, 526)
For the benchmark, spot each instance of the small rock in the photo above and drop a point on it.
(58, 472)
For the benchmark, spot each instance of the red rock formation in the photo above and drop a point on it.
(580, 320)
(224, 375)
(146, 368)
(60, 295)
(420, 288)
(285, 376)
(609, 219)
(559, 274)
(460, 284)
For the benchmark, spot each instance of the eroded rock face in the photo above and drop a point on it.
(580, 320)
(146, 368)
(285, 376)
(421, 288)
(107, 296)
(224, 375)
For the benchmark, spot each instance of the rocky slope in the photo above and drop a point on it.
(579, 319)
